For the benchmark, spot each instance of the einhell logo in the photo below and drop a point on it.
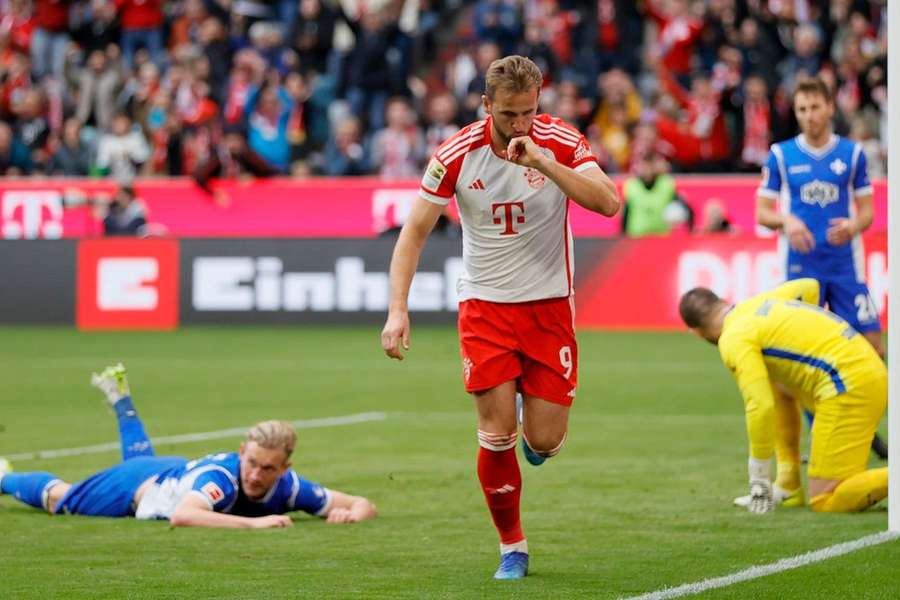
(29, 215)
(127, 284)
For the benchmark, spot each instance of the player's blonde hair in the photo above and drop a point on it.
(513, 73)
(274, 435)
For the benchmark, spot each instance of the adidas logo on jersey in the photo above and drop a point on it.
(476, 185)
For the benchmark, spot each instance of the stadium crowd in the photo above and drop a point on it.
(220, 88)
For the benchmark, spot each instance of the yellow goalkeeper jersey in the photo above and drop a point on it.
(783, 336)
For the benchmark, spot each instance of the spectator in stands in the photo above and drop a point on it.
(98, 28)
(861, 131)
(804, 60)
(373, 73)
(345, 155)
(300, 144)
(124, 215)
(72, 157)
(498, 21)
(762, 51)
(715, 218)
(212, 41)
(185, 28)
(142, 22)
(247, 74)
(122, 150)
(677, 34)
(268, 112)
(534, 45)
(31, 126)
(50, 37)
(648, 196)
(756, 117)
(231, 159)
(98, 84)
(14, 156)
(615, 116)
(485, 54)
(18, 20)
(398, 150)
(441, 120)
(15, 82)
(312, 34)
(699, 136)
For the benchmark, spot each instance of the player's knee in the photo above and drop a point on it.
(54, 494)
(497, 442)
(546, 444)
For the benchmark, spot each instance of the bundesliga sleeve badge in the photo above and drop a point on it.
(213, 492)
(434, 174)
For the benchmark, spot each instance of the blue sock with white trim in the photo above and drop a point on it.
(131, 430)
(28, 487)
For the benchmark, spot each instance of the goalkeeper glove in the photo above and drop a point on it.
(761, 498)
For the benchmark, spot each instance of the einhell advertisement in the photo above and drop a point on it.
(164, 283)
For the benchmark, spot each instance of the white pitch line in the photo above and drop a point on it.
(784, 564)
(197, 437)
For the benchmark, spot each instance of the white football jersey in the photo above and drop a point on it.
(517, 244)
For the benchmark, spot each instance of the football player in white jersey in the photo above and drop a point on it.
(513, 175)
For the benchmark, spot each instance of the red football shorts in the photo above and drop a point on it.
(531, 342)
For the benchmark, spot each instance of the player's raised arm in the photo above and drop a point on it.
(404, 261)
(590, 188)
(194, 511)
(344, 508)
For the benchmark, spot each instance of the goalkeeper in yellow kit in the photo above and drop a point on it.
(785, 352)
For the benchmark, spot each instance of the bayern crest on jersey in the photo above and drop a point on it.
(535, 178)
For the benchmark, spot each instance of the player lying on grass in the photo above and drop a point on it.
(785, 351)
(250, 488)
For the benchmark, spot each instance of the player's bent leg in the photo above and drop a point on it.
(113, 382)
(853, 494)
(499, 475)
(544, 429)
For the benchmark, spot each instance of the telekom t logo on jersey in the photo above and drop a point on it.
(511, 213)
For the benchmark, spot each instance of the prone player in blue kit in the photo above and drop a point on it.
(251, 488)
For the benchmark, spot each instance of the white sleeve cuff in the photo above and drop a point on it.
(863, 191)
(767, 193)
(433, 198)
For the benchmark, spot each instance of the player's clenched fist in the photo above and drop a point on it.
(395, 333)
(523, 151)
(273, 521)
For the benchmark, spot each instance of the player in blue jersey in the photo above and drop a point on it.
(251, 488)
(816, 193)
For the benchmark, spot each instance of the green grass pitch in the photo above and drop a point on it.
(640, 498)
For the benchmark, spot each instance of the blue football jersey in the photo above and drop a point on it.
(216, 478)
(818, 185)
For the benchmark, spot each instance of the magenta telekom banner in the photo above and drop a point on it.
(315, 208)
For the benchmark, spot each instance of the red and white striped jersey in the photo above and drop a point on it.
(517, 245)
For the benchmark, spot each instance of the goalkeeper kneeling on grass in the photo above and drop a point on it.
(251, 488)
(785, 351)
